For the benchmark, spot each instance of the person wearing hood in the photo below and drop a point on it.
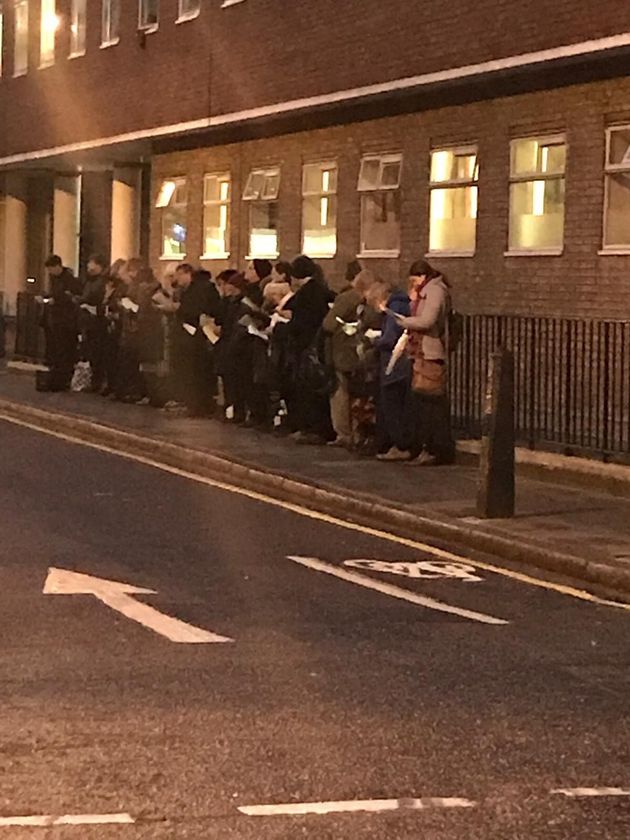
(309, 410)
(428, 416)
(394, 380)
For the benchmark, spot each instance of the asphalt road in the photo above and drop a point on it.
(329, 691)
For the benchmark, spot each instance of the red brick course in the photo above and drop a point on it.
(261, 52)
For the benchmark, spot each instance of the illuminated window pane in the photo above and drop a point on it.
(454, 200)
(172, 200)
(617, 210)
(453, 219)
(1, 37)
(380, 221)
(49, 23)
(537, 194)
(149, 14)
(111, 21)
(537, 215)
(20, 58)
(78, 27)
(216, 215)
(320, 226)
(189, 8)
(263, 229)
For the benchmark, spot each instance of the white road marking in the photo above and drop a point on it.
(576, 793)
(393, 591)
(369, 805)
(117, 596)
(68, 819)
(300, 510)
(423, 569)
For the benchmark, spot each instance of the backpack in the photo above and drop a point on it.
(454, 330)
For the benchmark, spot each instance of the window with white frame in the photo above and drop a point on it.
(188, 9)
(48, 26)
(1, 36)
(379, 185)
(537, 180)
(453, 201)
(319, 209)
(617, 190)
(20, 36)
(110, 26)
(78, 27)
(172, 201)
(148, 14)
(216, 216)
(261, 192)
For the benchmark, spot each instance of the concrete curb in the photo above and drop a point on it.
(362, 509)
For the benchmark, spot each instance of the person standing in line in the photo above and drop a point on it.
(230, 344)
(309, 409)
(92, 318)
(150, 340)
(342, 325)
(394, 384)
(113, 319)
(257, 275)
(60, 322)
(428, 415)
(199, 297)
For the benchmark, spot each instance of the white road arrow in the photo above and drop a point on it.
(118, 596)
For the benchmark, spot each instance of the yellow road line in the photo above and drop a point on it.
(325, 517)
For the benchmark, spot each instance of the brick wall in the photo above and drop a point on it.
(265, 51)
(580, 282)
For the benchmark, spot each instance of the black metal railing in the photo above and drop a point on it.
(29, 336)
(572, 381)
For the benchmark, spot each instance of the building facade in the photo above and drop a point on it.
(491, 137)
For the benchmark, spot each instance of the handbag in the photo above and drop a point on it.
(81, 378)
(429, 377)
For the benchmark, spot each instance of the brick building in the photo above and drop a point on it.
(493, 136)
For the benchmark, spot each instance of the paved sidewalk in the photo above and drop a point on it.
(594, 527)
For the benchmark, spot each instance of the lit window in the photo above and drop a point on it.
(188, 9)
(149, 15)
(49, 24)
(319, 209)
(537, 194)
(379, 185)
(1, 35)
(172, 201)
(261, 191)
(453, 204)
(617, 201)
(216, 216)
(111, 22)
(78, 28)
(20, 57)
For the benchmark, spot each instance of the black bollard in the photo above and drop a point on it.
(496, 496)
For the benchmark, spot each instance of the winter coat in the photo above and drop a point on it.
(342, 326)
(427, 324)
(309, 306)
(392, 331)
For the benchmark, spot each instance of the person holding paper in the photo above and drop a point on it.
(92, 318)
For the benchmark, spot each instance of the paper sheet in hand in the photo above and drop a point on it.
(399, 349)
(91, 309)
(129, 305)
(208, 331)
(190, 329)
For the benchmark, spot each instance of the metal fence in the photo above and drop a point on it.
(29, 336)
(572, 381)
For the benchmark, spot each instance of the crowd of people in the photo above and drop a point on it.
(272, 348)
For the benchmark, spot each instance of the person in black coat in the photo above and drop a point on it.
(92, 319)
(60, 322)
(309, 409)
(192, 360)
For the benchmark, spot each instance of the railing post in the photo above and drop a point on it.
(496, 496)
